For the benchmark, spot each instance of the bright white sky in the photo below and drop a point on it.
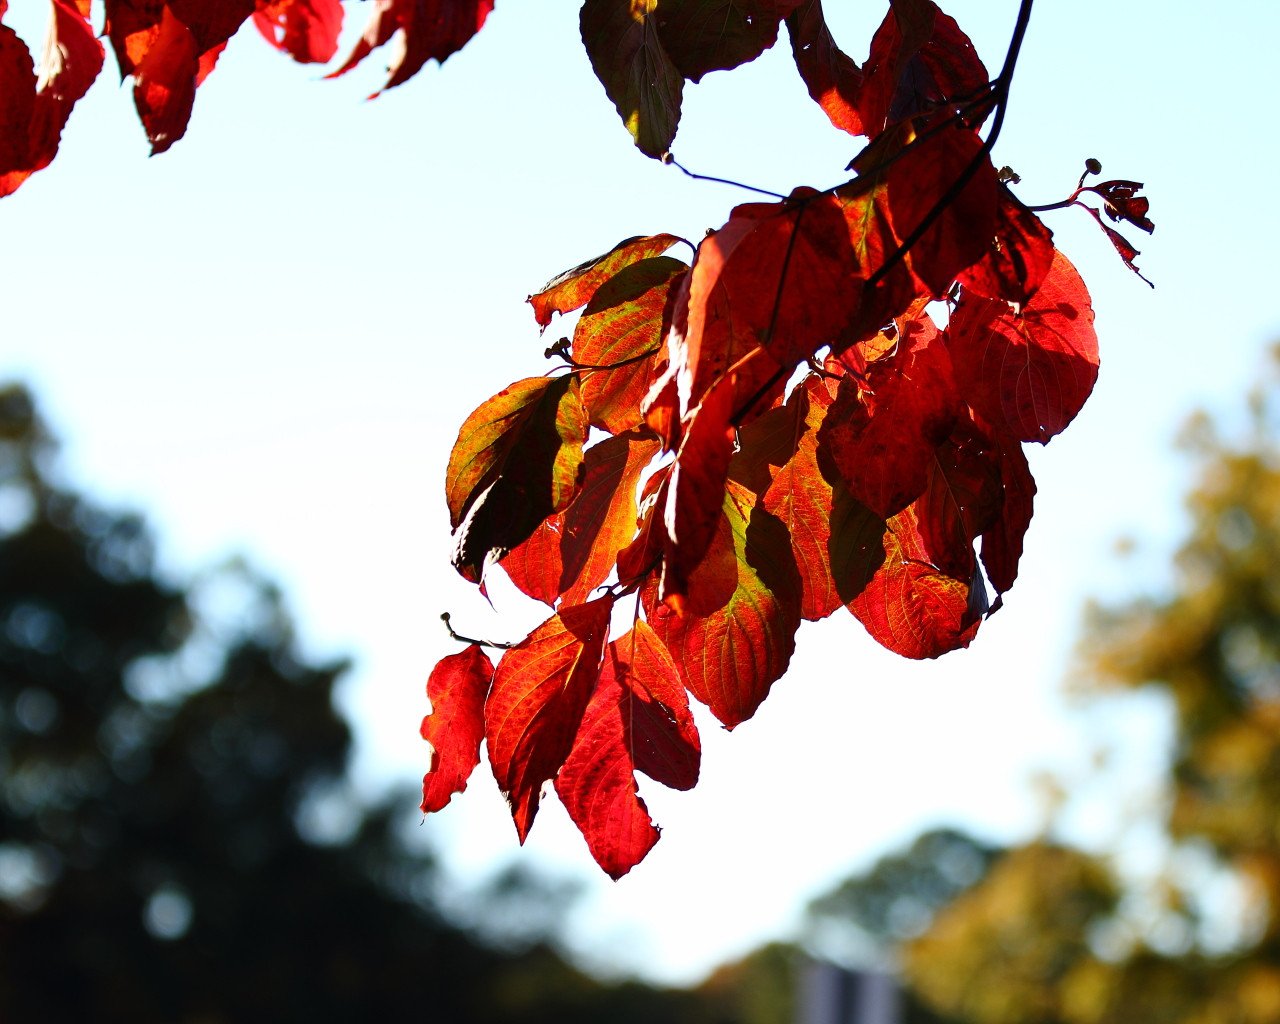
(267, 339)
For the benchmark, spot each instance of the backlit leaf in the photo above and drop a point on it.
(910, 606)
(540, 691)
(920, 59)
(1027, 372)
(736, 634)
(573, 552)
(834, 538)
(516, 462)
(1015, 265)
(34, 112)
(711, 35)
(575, 287)
(428, 30)
(882, 437)
(832, 78)
(627, 317)
(1001, 545)
(622, 42)
(961, 500)
(638, 718)
(307, 30)
(457, 689)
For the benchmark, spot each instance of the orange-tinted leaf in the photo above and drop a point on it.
(627, 317)
(882, 437)
(516, 462)
(695, 492)
(576, 286)
(573, 552)
(643, 555)
(33, 114)
(712, 35)
(1014, 266)
(428, 29)
(737, 630)
(622, 41)
(920, 59)
(307, 30)
(832, 78)
(638, 718)
(457, 688)
(834, 538)
(912, 608)
(1001, 546)
(1027, 373)
(535, 706)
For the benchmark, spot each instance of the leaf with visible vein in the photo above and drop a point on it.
(540, 691)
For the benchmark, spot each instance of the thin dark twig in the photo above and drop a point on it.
(668, 158)
(444, 617)
(612, 366)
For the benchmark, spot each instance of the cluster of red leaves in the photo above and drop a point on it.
(769, 434)
(168, 47)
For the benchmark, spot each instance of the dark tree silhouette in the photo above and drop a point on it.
(165, 757)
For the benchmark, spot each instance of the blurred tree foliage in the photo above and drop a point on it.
(1054, 935)
(176, 840)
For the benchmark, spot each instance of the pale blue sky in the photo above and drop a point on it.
(267, 338)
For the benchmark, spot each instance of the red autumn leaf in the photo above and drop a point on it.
(1122, 245)
(428, 29)
(712, 35)
(638, 719)
(516, 462)
(573, 552)
(695, 490)
(959, 237)
(34, 112)
(1001, 545)
(1019, 259)
(624, 326)
(736, 633)
(1121, 201)
(782, 276)
(920, 61)
(835, 539)
(627, 55)
(1027, 373)
(643, 556)
(832, 78)
(540, 690)
(170, 47)
(575, 287)
(307, 30)
(961, 499)
(457, 688)
(882, 437)
(910, 606)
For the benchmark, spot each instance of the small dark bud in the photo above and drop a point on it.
(1093, 166)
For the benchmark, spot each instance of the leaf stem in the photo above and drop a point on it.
(444, 617)
(669, 158)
